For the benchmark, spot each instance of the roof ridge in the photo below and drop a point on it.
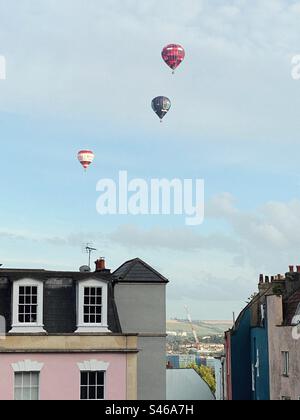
(133, 262)
(254, 300)
(129, 262)
(152, 269)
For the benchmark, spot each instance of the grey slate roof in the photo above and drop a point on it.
(59, 297)
(137, 271)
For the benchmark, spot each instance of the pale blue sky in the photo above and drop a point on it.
(83, 73)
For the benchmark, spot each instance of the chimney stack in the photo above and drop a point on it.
(100, 264)
(291, 267)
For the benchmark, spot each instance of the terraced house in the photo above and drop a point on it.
(263, 348)
(83, 335)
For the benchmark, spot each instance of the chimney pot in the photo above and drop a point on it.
(291, 268)
(267, 279)
(272, 279)
(261, 278)
(100, 264)
(298, 268)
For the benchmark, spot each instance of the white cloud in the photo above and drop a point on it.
(96, 59)
(269, 236)
(176, 239)
(266, 238)
(221, 205)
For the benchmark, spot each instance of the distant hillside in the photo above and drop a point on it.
(203, 328)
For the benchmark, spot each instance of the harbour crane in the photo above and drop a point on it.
(193, 328)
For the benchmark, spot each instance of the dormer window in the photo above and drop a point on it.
(27, 306)
(92, 306)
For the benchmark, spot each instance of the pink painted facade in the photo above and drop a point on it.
(227, 373)
(60, 375)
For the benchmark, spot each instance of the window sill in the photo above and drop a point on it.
(92, 329)
(31, 329)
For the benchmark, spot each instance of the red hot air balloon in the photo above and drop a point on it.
(173, 55)
(85, 157)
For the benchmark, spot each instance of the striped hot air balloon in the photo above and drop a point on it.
(173, 55)
(85, 157)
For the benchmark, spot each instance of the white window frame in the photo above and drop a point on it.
(27, 366)
(253, 377)
(285, 355)
(93, 366)
(31, 387)
(28, 327)
(257, 365)
(83, 327)
(89, 386)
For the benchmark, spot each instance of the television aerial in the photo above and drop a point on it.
(89, 249)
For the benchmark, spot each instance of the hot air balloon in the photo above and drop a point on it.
(85, 157)
(161, 106)
(173, 55)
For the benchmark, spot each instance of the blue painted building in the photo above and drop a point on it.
(249, 355)
(260, 363)
(241, 357)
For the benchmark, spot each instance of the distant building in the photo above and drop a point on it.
(172, 333)
(187, 385)
(263, 348)
(211, 362)
(219, 379)
(183, 361)
(83, 335)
